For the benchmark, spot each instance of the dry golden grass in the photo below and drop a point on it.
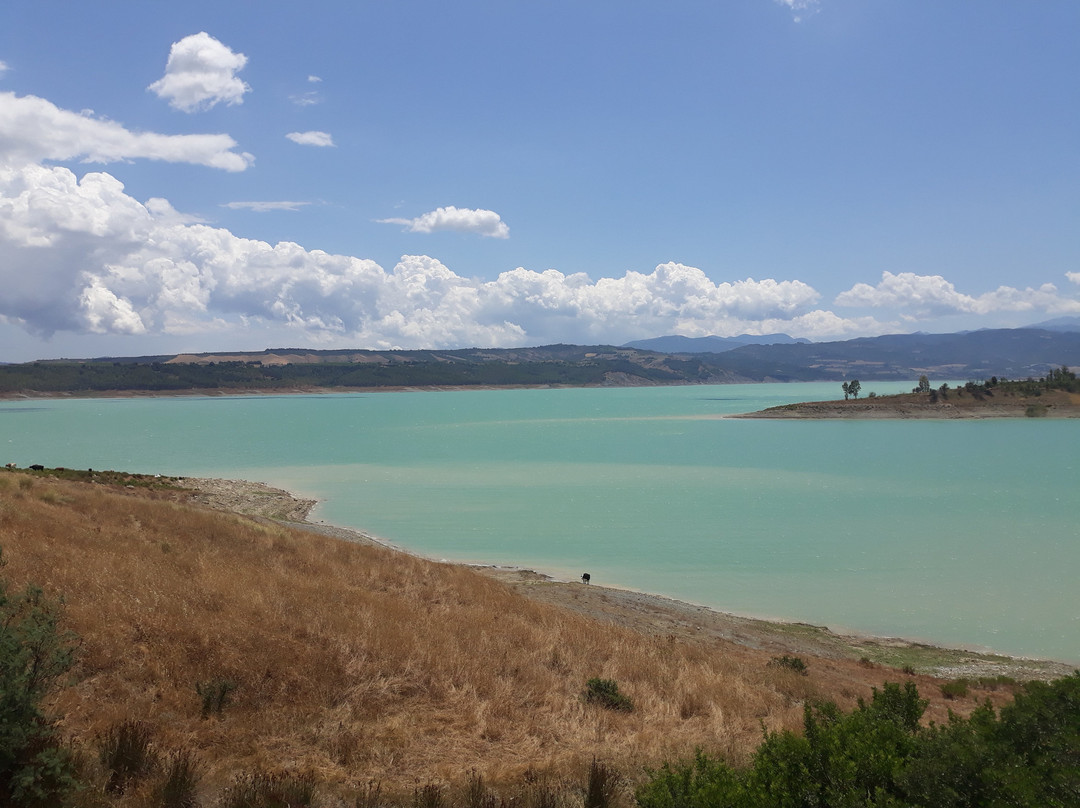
(355, 663)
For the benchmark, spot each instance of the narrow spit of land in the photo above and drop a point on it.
(655, 614)
(956, 404)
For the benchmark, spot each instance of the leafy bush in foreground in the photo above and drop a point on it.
(34, 767)
(880, 755)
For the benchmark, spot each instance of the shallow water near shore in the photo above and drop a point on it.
(961, 533)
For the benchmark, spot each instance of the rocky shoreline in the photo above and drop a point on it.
(653, 614)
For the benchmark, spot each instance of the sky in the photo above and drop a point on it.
(234, 176)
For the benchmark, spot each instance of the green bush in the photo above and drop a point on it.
(605, 693)
(956, 689)
(35, 768)
(880, 755)
(791, 663)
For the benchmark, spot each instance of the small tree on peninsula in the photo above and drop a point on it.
(851, 389)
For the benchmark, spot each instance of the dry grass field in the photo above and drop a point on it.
(355, 664)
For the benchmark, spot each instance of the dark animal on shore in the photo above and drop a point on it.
(37, 467)
(585, 578)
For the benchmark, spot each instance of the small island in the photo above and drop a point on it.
(1057, 395)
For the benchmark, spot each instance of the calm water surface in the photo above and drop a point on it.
(962, 533)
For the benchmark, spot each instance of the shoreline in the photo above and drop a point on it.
(651, 613)
(1055, 404)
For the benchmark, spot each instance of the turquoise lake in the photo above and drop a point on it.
(962, 533)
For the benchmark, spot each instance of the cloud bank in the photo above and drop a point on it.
(80, 255)
(931, 295)
(200, 74)
(463, 220)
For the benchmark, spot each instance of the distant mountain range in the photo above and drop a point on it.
(1017, 353)
(1059, 324)
(1008, 353)
(678, 344)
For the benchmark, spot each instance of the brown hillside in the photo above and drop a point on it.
(355, 663)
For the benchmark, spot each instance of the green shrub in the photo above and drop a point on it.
(35, 768)
(881, 755)
(605, 693)
(956, 689)
(127, 754)
(791, 663)
(704, 783)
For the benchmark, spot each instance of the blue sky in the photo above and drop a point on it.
(241, 175)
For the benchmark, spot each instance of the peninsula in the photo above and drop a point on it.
(1055, 396)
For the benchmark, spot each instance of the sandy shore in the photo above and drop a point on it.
(654, 614)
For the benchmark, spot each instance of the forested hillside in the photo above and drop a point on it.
(976, 356)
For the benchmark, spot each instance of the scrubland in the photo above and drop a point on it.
(352, 665)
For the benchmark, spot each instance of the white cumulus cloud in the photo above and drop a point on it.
(931, 295)
(923, 294)
(33, 129)
(201, 73)
(80, 255)
(311, 138)
(463, 220)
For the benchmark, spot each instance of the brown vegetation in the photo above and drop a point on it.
(351, 663)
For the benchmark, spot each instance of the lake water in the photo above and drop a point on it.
(954, 532)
